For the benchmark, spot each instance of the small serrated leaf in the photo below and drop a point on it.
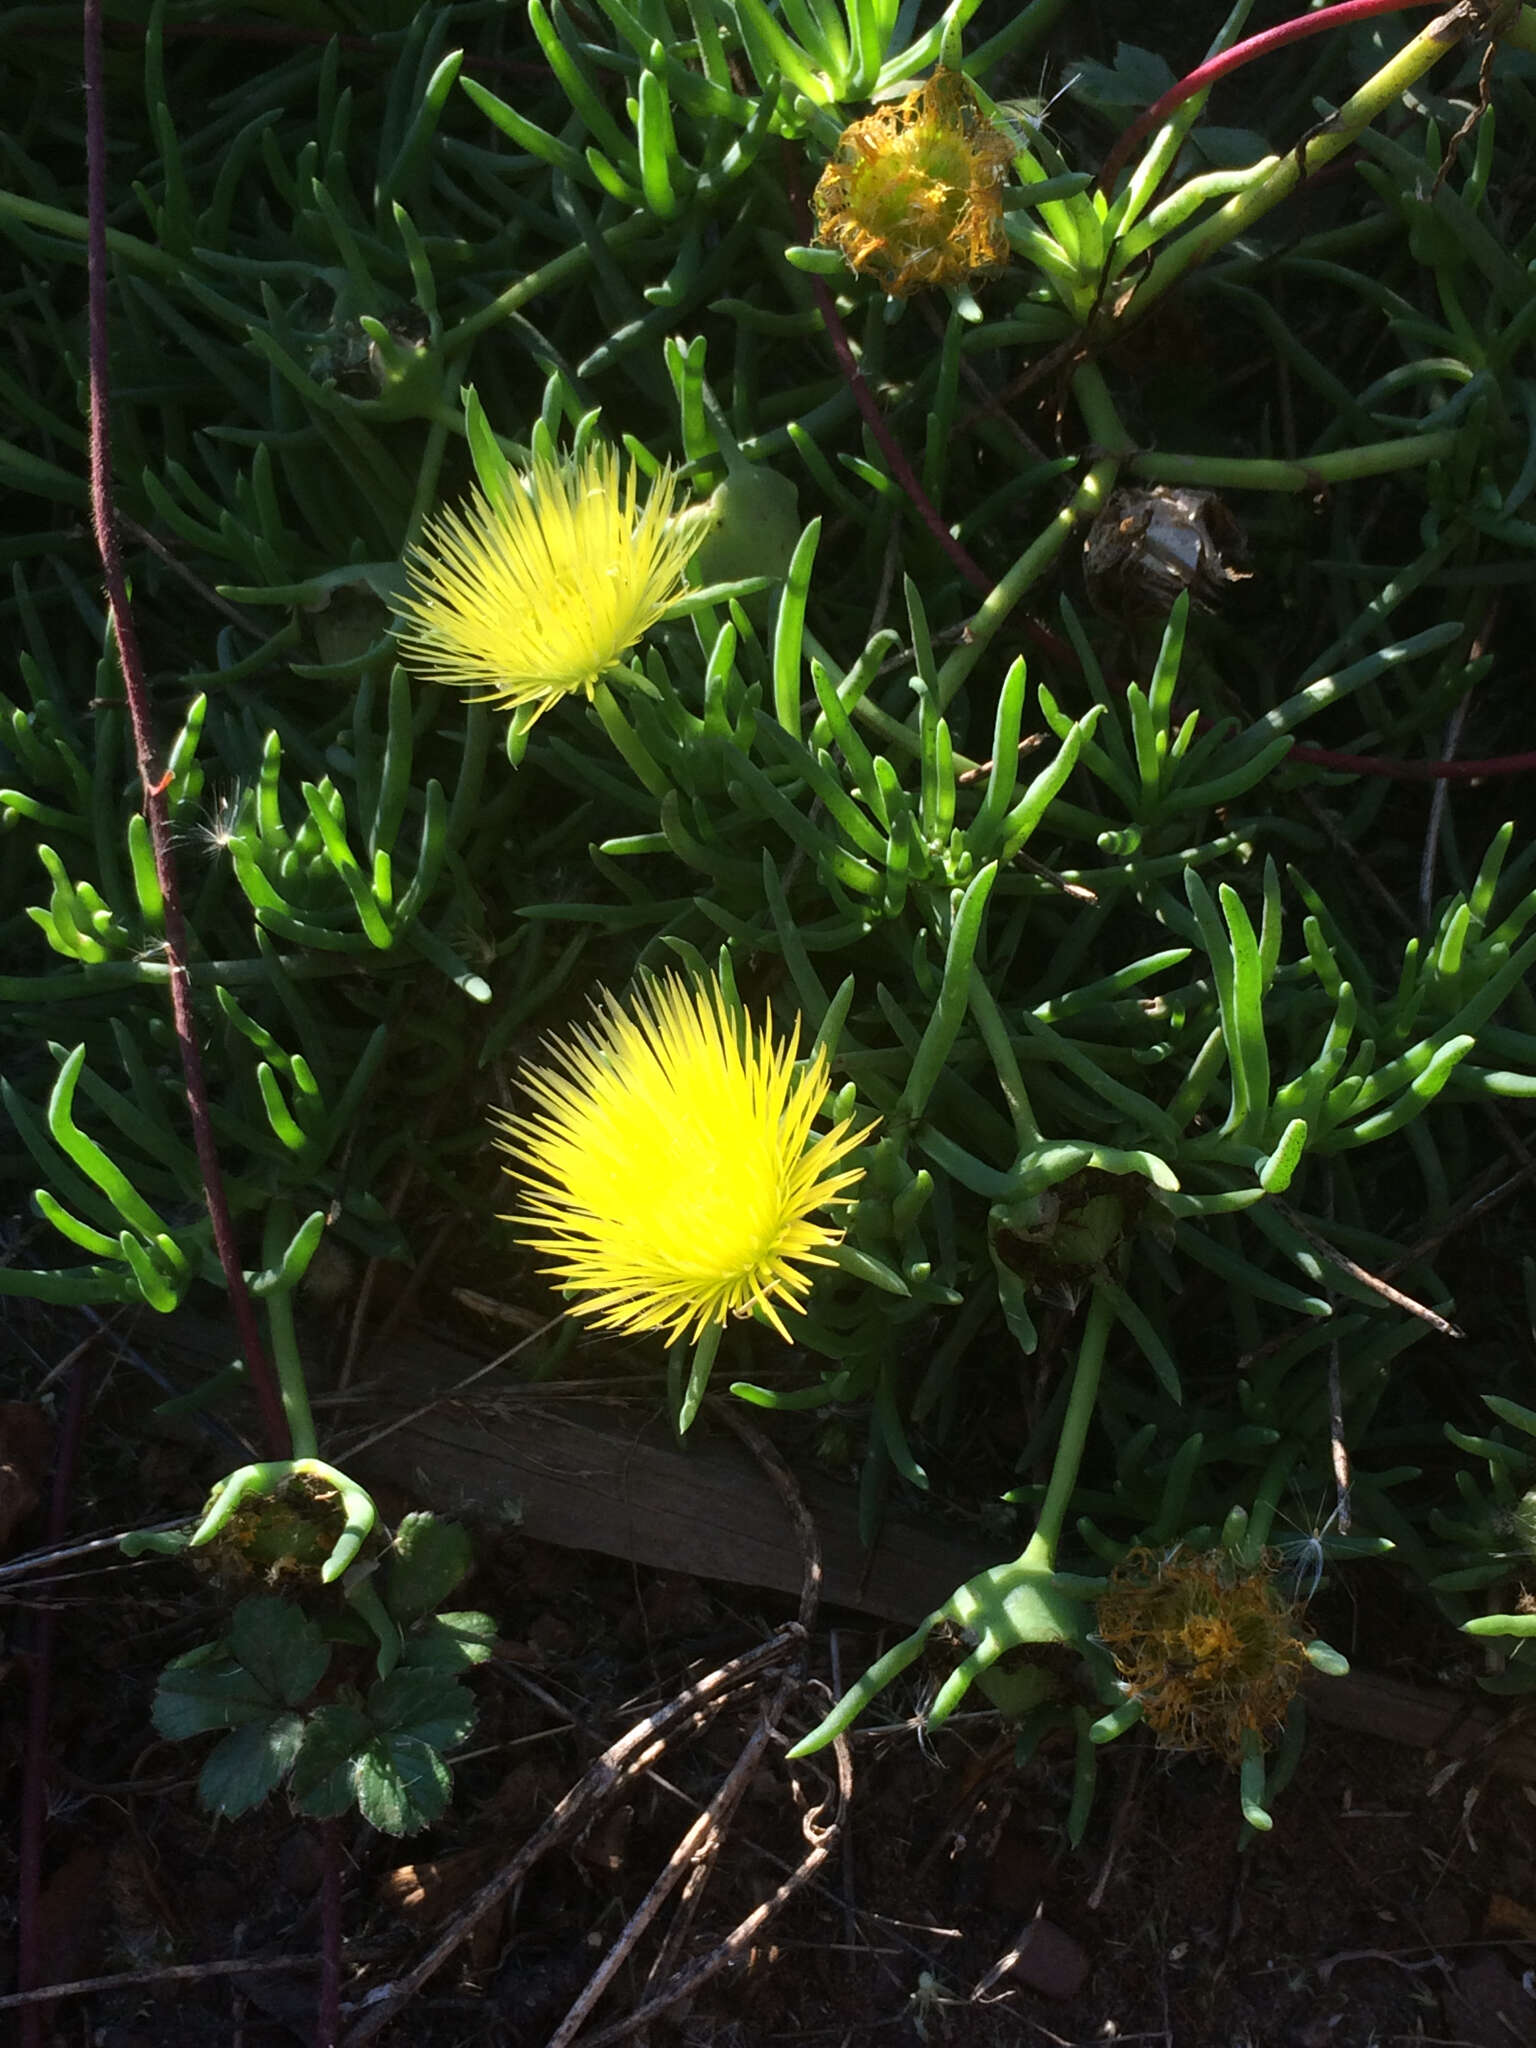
(192, 1699)
(1229, 148)
(430, 1557)
(402, 1784)
(449, 1642)
(325, 1767)
(1136, 78)
(280, 1647)
(249, 1764)
(424, 1704)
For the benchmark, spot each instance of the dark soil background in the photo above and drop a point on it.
(1394, 1902)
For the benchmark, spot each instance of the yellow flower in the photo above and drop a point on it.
(1210, 1647)
(537, 592)
(914, 194)
(671, 1171)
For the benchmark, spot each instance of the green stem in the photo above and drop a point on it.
(1338, 132)
(72, 227)
(1040, 1555)
(102, 976)
(994, 1035)
(427, 476)
(1114, 444)
(285, 1342)
(619, 730)
(1085, 503)
(1030, 26)
(1339, 465)
(559, 270)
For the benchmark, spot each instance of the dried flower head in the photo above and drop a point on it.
(537, 592)
(914, 194)
(276, 1536)
(671, 1170)
(1210, 1647)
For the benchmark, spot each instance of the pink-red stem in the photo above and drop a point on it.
(263, 1380)
(1217, 67)
(328, 2016)
(895, 455)
(1416, 771)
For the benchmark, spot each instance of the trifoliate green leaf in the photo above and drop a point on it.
(279, 1646)
(430, 1557)
(249, 1764)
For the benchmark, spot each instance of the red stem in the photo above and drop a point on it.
(263, 1379)
(890, 447)
(904, 474)
(1416, 771)
(1261, 45)
(328, 2016)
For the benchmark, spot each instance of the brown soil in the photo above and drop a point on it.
(1394, 1902)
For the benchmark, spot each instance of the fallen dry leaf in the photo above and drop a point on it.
(427, 1892)
(1508, 1916)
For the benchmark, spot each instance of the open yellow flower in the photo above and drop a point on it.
(914, 193)
(537, 592)
(671, 1171)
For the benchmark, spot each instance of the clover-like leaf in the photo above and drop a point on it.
(422, 1703)
(279, 1646)
(450, 1642)
(385, 1756)
(402, 1784)
(323, 1771)
(206, 1689)
(249, 1764)
(1136, 78)
(430, 1557)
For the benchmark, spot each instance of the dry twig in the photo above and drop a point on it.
(698, 1851)
(633, 1753)
(730, 1951)
(1347, 1265)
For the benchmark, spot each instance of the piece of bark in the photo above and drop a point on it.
(612, 1477)
(1427, 1717)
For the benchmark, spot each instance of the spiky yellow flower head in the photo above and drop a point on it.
(1210, 1647)
(671, 1171)
(535, 592)
(914, 194)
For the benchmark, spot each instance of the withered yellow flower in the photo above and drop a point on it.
(671, 1170)
(913, 196)
(1210, 1647)
(538, 592)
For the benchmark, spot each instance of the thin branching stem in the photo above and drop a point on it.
(1205, 75)
(103, 519)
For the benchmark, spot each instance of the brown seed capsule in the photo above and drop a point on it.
(1147, 546)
